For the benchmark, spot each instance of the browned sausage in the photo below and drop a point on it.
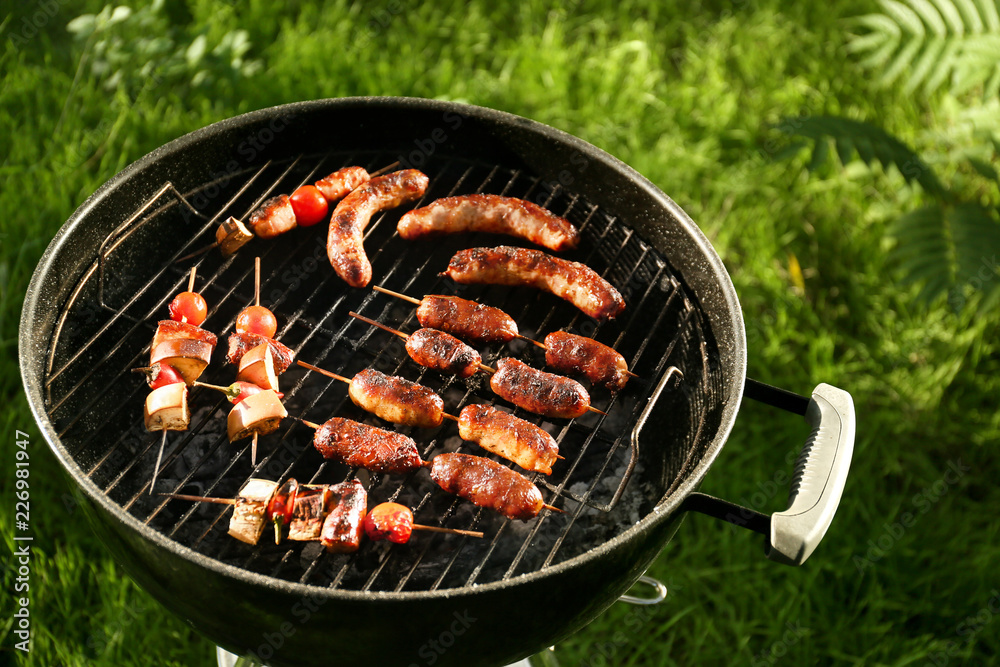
(345, 241)
(539, 392)
(466, 319)
(507, 265)
(345, 524)
(275, 216)
(487, 484)
(342, 182)
(493, 214)
(355, 444)
(396, 399)
(569, 353)
(241, 343)
(442, 352)
(508, 436)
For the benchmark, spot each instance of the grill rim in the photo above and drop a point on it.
(730, 339)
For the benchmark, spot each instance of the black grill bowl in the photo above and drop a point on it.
(243, 603)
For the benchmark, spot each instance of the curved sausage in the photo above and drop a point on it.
(345, 241)
(342, 182)
(493, 214)
(507, 265)
(443, 352)
(356, 444)
(508, 436)
(569, 353)
(466, 319)
(487, 484)
(543, 393)
(396, 400)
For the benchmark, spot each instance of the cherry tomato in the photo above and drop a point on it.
(258, 320)
(189, 307)
(160, 375)
(389, 521)
(309, 205)
(239, 390)
(281, 505)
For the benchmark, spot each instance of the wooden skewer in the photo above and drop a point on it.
(256, 281)
(191, 279)
(200, 251)
(554, 509)
(333, 375)
(455, 531)
(159, 458)
(417, 302)
(199, 499)
(253, 449)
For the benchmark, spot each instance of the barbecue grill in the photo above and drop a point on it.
(627, 478)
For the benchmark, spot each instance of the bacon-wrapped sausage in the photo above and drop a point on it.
(569, 354)
(508, 436)
(396, 399)
(507, 265)
(344, 244)
(345, 524)
(487, 484)
(357, 444)
(443, 352)
(466, 319)
(493, 214)
(539, 392)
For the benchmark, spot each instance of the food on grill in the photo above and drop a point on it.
(189, 307)
(486, 483)
(188, 357)
(256, 415)
(250, 511)
(344, 245)
(273, 218)
(237, 391)
(257, 320)
(396, 399)
(166, 408)
(179, 342)
(493, 214)
(231, 236)
(309, 205)
(167, 330)
(508, 436)
(461, 317)
(281, 507)
(312, 504)
(507, 265)
(436, 350)
(389, 521)
(241, 343)
(159, 375)
(355, 444)
(345, 524)
(342, 182)
(257, 367)
(539, 392)
(572, 354)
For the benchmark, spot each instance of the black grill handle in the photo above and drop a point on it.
(817, 483)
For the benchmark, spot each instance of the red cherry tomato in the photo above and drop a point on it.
(240, 390)
(389, 521)
(160, 375)
(309, 205)
(189, 307)
(258, 320)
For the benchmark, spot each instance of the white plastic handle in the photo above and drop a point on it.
(818, 482)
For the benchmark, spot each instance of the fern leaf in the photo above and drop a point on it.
(984, 168)
(904, 16)
(941, 72)
(903, 60)
(991, 18)
(922, 68)
(879, 23)
(930, 16)
(956, 17)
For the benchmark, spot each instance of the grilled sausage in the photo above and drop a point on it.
(507, 265)
(345, 524)
(342, 182)
(508, 436)
(241, 343)
(443, 352)
(466, 319)
(396, 400)
(344, 243)
(539, 392)
(569, 353)
(487, 484)
(272, 218)
(493, 214)
(355, 444)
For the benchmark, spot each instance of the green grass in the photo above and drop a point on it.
(684, 96)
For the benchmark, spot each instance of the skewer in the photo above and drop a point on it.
(199, 499)
(256, 280)
(194, 270)
(417, 302)
(402, 335)
(335, 376)
(159, 459)
(199, 251)
(253, 449)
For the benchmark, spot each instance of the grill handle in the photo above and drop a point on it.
(817, 483)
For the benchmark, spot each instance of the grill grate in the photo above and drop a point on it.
(95, 402)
